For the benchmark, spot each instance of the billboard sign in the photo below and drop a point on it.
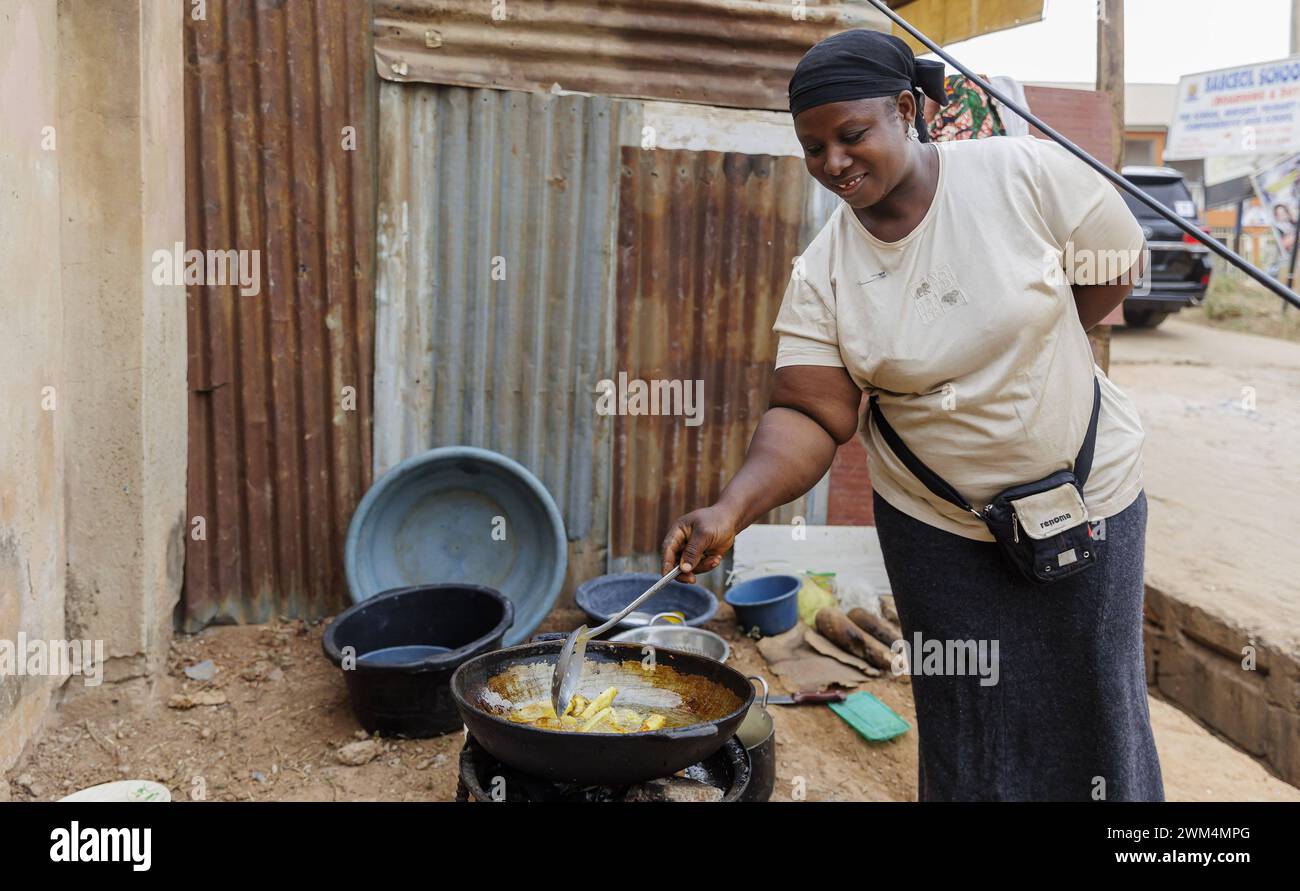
(1251, 109)
(1278, 188)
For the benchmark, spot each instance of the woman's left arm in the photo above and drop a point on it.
(1095, 302)
(1092, 225)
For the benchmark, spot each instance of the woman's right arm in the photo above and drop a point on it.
(813, 410)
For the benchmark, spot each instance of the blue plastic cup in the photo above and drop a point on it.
(770, 603)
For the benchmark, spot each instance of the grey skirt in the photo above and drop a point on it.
(1054, 705)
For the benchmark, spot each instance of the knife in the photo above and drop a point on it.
(809, 697)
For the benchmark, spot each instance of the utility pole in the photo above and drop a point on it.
(1110, 81)
(1110, 70)
(1295, 248)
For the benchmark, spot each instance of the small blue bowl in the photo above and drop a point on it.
(605, 595)
(770, 603)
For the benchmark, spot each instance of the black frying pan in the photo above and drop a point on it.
(706, 698)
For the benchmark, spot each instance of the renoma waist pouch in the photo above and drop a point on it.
(1042, 527)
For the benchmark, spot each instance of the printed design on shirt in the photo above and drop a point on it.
(937, 293)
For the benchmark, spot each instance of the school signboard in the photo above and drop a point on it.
(1246, 110)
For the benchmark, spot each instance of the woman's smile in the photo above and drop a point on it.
(850, 185)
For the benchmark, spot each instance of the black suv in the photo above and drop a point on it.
(1180, 266)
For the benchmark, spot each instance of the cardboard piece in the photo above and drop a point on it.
(800, 667)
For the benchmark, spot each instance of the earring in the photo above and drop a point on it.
(911, 132)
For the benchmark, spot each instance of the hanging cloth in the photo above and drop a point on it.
(968, 114)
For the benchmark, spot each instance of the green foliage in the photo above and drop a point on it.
(1239, 304)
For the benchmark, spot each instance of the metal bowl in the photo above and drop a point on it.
(606, 595)
(686, 638)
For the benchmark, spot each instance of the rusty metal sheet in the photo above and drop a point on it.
(714, 52)
(495, 286)
(280, 382)
(705, 245)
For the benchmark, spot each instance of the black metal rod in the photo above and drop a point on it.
(1236, 230)
(1210, 242)
(1295, 247)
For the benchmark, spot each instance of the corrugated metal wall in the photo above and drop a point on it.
(278, 457)
(477, 184)
(705, 245)
(662, 264)
(495, 271)
(715, 52)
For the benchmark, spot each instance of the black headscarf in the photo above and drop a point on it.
(862, 64)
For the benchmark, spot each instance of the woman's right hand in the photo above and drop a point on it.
(699, 540)
(813, 410)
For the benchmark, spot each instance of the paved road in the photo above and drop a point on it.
(1222, 469)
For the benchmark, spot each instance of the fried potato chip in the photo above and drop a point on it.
(587, 716)
(594, 720)
(600, 702)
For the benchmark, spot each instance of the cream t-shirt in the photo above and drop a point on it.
(967, 329)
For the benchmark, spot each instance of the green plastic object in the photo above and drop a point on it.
(871, 717)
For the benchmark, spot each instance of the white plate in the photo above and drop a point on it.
(122, 790)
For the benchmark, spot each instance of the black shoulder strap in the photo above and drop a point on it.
(935, 483)
(940, 487)
(1083, 461)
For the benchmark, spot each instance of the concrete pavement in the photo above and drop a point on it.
(1222, 473)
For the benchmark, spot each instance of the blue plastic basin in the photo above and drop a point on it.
(770, 603)
(460, 515)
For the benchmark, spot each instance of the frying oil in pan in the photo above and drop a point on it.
(682, 699)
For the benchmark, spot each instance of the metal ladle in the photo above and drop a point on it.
(568, 668)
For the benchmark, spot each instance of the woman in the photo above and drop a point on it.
(1284, 224)
(938, 286)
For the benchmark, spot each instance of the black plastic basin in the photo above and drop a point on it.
(405, 645)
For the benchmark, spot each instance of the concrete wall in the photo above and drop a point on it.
(123, 193)
(92, 489)
(1194, 657)
(31, 319)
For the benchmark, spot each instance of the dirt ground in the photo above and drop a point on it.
(286, 714)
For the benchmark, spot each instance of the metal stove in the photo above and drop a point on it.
(723, 776)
